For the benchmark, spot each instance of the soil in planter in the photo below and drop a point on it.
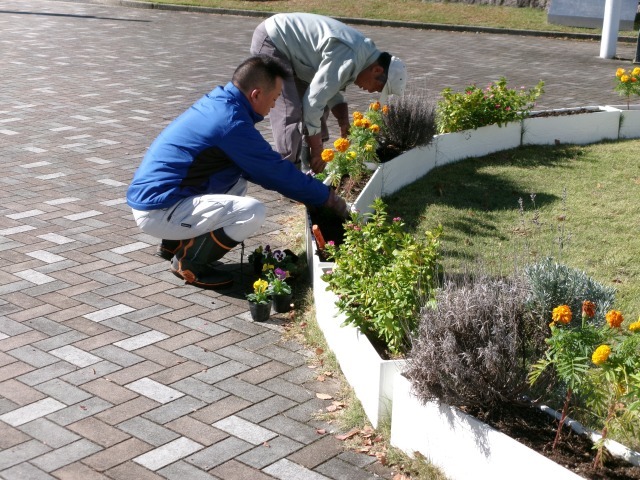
(537, 430)
(331, 226)
(562, 113)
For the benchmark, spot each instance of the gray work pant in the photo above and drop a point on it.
(191, 217)
(286, 115)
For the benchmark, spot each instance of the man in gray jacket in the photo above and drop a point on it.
(325, 56)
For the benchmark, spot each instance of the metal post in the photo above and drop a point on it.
(610, 27)
(637, 57)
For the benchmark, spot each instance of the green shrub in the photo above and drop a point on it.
(475, 107)
(382, 276)
(470, 347)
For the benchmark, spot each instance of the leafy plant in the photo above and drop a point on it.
(349, 155)
(382, 276)
(410, 122)
(277, 282)
(260, 292)
(471, 342)
(627, 83)
(597, 362)
(476, 107)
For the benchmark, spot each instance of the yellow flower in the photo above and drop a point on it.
(366, 123)
(385, 109)
(266, 267)
(357, 122)
(625, 78)
(636, 71)
(341, 144)
(601, 354)
(614, 318)
(368, 147)
(635, 326)
(374, 128)
(260, 286)
(375, 106)
(620, 72)
(327, 155)
(351, 155)
(561, 314)
(357, 116)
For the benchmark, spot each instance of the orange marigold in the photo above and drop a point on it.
(601, 354)
(620, 72)
(385, 109)
(366, 123)
(561, 314)
(625, 78)
(358, 122)
(357, 116)
(327, 155)
(374, 128)
(614, 318)
(375, 106)
(588, 308)
(341, 144)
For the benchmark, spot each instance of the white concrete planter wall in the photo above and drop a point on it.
(370, 376)
(629, 121)
(462, 446)
(581, 128)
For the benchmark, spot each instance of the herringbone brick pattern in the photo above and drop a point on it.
(109, 366)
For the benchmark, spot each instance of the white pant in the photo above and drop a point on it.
(191, 217)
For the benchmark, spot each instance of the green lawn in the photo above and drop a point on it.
(405, 10)
(585, 211)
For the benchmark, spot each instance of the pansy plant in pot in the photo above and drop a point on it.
(280, 289)
(260, 301)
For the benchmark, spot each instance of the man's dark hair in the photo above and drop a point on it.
(384, 60)
(259, 71)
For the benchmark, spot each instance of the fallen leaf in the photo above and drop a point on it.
(363, 449)
(401, 476)
(324, 396)
(382, 457)
(266, 444)
(328, 374)
(349, 434)
(320, 378)
(312, 366)
(319, 351)
(332, 408)
(321, 431)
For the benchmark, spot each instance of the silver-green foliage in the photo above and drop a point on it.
(552, 284)
(410, 122)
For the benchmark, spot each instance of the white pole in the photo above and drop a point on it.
(610, 27)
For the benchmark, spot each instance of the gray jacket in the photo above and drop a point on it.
(325, 53)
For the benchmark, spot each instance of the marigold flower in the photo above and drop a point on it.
(327, 155)
(601, 354)
(357, 122)
(366, 123)
(385, 110)
(341, 144)
(375, 106)
(625, 78)
(634, 79)
(620, 72)
(635, 326)
(351, 155)
(636, 71)
(614, 318)
(368, 147)
(588, 308)
(374, 128)
(357, 116)
(561, 314)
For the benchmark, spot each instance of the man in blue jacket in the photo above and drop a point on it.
(190, 187)
(325, 56)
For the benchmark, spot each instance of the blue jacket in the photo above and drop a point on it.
(208, 148)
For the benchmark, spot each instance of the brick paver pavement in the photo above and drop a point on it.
(109, 366)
